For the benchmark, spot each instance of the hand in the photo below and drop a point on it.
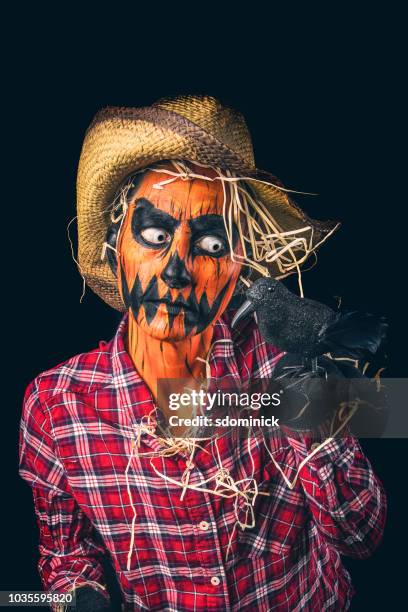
(309, 394)
(88, 599)
(318, 398)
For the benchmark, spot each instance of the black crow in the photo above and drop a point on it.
(309, 328)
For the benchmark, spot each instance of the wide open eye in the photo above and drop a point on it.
(212, 244)
(155, 235)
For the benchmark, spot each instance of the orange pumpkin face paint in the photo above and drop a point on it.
(175, 271)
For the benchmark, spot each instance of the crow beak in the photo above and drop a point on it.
(243, 311)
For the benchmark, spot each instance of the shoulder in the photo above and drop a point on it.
(82, 373)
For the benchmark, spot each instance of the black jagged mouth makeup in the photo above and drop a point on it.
(173, 307)
(198, 314)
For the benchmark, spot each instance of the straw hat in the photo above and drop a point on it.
(120, 141)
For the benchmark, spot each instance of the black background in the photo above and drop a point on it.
(321, 95)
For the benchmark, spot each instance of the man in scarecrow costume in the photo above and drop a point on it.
(173, 217)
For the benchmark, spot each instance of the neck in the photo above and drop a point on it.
(157, 359)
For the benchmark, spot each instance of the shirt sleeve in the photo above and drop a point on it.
(70, 556)
(346, 498)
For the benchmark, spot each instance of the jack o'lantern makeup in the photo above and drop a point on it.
(175, 271)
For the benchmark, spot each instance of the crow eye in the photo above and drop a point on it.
(211, 244)
(155, 235)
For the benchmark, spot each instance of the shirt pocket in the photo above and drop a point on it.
(280, 520)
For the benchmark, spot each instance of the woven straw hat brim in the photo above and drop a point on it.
(122, 140)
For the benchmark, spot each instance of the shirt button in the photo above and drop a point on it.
(315, 445)
(215, 581)
(204, 525)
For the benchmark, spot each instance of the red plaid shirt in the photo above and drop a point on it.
(77, 435)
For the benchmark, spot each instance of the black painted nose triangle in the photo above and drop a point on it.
(175, 274)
